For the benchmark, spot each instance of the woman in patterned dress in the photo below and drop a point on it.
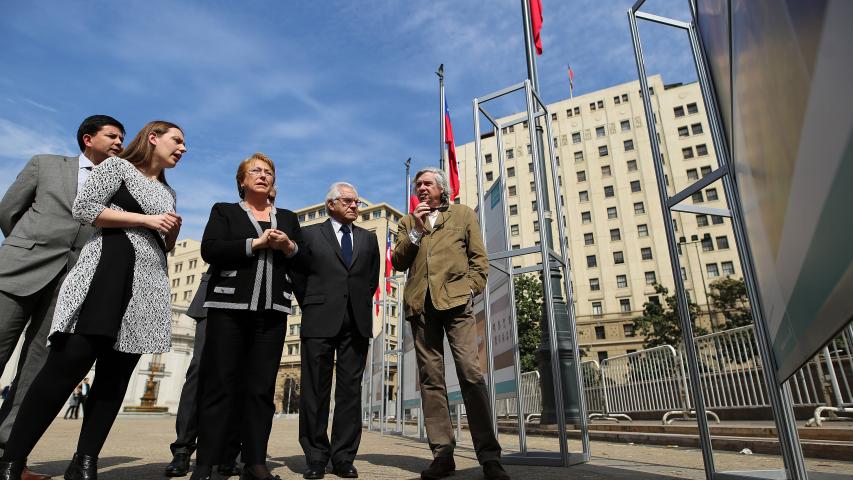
(114, 304)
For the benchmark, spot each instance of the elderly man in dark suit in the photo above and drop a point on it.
(441, 247)
(42, 243)
(335, 291)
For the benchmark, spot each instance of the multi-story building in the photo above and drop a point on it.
(612, 212)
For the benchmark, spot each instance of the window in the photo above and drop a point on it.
(625, 125)
(174, 297)
(642, 230)
(618, 258)
(632, 165)
(611, 212)
(599, 132)
(179, 267)
(588, 239)
(513, 229)
(722, 242)
(692, 174)
(193, 263)
(616, 100)
(701, 149)
(582, 176)
(512, 190)
(728, 268)
(488, 158)
(489, 176)
(530, 167)
(586, 217)
(509, 154)
(513, 209)
(629, 145)
(594, 284)
(377, 214)
(530, 151)
(591, 261)
(578, 157)
(624, 97)
(602, 151)
(697, 128)
(711, 194)
(635, 186)
(713, 270)
(602, 356)
(639, 208)
(176, 282)
(510, 172)
(535, 225)
(622, 281)
(683, 132)
(583, 196)
(646, 253)
(188, 294)
(625, 305)
(605, 171)
(702, 220)
(705, 170)
(651, 278)
(599, 329)
(683, 270)
(687, 152)
(692, 108)
(615, 235)
(301, 217)
(592, 105)
(365, 216)
(577, 110)
(597, 309)
(190, 279)
(312, 215)
(716, 219)
(600, 103)
(628, 329)
(678, 111)
(608, 191)
(707, 244)
(697, 197)
(576, 137)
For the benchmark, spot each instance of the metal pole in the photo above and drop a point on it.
(407, 187)
(400, 364)
(681, 297)
(442, 134)
(370, 389)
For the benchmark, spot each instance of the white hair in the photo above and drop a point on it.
(440, 180)
(335, 192)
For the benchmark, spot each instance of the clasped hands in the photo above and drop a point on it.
(274, 239)
(169, 223)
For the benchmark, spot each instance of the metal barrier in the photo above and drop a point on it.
(531, 399)
(838, 361)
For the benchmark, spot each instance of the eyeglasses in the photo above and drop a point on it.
(350, 201)
(257, 172)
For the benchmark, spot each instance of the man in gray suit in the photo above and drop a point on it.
(42, 242)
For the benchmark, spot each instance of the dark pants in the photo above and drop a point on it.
(186, 422)
(70, 358)
(237, 382)
(318, 361)
(428, 330)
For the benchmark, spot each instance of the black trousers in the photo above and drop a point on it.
(69, 360)
(186, 421)
(237, 382)
(318, 361)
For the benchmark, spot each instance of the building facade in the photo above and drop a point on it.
(611, 208)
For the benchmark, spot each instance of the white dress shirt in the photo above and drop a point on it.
(84, 169)
(336, 226)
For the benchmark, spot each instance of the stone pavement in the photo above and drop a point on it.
(138, 448)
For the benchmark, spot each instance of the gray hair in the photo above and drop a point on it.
(440, 179)
(335, 192)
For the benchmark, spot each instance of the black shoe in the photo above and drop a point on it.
(179, 466)
(229, 469)
(315, 470)
(439, 468)
(12, 470)
(493, 470)
(345, 470)
(82, 467)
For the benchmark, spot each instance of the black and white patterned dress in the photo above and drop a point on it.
(119, 287)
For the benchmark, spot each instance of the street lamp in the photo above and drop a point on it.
(695, 241)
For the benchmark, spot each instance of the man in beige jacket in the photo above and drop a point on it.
(441, 247)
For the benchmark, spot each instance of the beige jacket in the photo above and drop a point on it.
(451, 260)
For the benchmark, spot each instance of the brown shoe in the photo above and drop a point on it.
(28, 474)
(439, 468)
(493, 470)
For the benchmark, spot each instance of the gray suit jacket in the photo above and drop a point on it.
(42, 238)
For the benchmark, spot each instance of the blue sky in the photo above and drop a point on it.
(331, 90)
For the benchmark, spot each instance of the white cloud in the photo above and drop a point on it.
(21, 142)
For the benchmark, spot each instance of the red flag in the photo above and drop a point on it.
(388, 266)
(413, 202)
(451, 149)
(376, 300)
(571, 79)
(536, 23)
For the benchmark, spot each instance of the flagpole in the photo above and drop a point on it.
(441, 101)
(407, 187)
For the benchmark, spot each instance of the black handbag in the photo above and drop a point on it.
(196, 309)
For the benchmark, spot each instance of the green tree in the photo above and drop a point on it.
(728, 297)
(660, 324)
(528, 311)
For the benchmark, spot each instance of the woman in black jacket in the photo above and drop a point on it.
(251, 247)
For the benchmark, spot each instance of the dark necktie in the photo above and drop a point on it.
(346, 245)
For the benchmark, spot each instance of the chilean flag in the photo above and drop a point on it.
(451, 149)
(536, 23)
(388, 266)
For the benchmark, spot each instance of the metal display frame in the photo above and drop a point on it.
(779, 392)
(535, 109)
